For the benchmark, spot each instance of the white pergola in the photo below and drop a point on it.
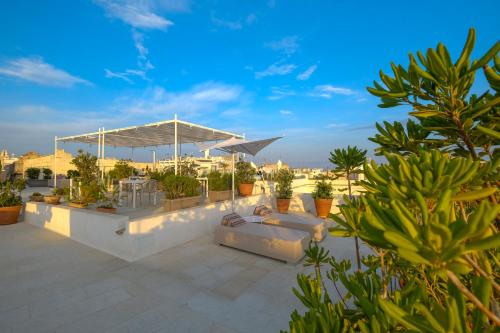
(169, 132)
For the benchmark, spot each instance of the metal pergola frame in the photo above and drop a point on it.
(160, 133)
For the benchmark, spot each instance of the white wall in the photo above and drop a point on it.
(142, 237)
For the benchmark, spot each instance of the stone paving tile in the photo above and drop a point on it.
(57, 285)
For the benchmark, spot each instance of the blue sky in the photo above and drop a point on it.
(263, 68)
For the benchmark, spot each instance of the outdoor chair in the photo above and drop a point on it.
(151, 188)
(315, 227)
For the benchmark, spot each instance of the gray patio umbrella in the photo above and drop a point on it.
(235, 145)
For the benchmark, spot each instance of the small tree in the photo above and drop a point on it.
(86, 165)
(284, 178)
(347, 163)
(245, 173)
(122, 169)
(32, 173)
(47, 174)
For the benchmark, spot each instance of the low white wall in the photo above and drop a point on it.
(141, 237)
(91, 228)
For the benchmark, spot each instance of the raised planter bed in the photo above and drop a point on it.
(176, 204)
(77, 205)
(106, 210)
(52, 199)
(36, 198)
(38, 182)
(215, 196)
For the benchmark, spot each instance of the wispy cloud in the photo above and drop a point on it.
(36, 70)
(276, 69)
(305, 75)
(336, 125)
(280, 92)
(251, 18)
(327, 91)
(287, 45)
(138, 14)
(231, 25)
(286, 112)
(126, 76)
(204, 97)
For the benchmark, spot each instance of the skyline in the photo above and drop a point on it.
(298, 70)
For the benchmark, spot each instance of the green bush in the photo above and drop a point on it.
(32, 173)
(72, 174)
(176, 187)
(323, 190)
(284, 178)
(86, 165)
(10, 195)
(47, 174)
(245, 173)
(218, 181)
(121, 170)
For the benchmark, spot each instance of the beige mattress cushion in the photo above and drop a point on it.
(271, 241)
(315, 227)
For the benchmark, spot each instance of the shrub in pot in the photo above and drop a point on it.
(107, 207)
(10, 201)
(284, 179)
(181, 192)
(245, 177)
(219, 186)
(111, 198)
(323, 197)
(55, 197)
(37, 197)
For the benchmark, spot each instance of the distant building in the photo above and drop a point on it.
(6, 158)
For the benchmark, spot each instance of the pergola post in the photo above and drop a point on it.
(232, 185)
(55, 162)
(154, 160)
(102, 155)
(99, 151)
(175, 142)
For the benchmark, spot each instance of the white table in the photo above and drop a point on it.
(134, 183)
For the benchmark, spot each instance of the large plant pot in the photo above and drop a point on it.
(106, 210)
(9, 215)
(181, 203)
(215, 196)
(37, 182)
(282, 205)
(323, 207)
(245, 189)
(52, 199)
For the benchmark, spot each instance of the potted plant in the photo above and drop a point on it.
(87, 193)
(11, 201)
(323, 197)
(245, 176)
(108, 206)
(181, 192)
(36, 197)
(284, 179)
(47, 174)
(55, 198)
(219, 186)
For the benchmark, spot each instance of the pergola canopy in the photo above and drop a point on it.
(153, 134)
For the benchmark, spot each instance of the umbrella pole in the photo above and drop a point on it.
(232, 184)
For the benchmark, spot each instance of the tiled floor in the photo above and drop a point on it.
(52, 284)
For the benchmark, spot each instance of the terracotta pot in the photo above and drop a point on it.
(52, 199)
(215, 196)
(9, 215)
(36, 198)
(77, 204)
(181, 203)
(282, 205)
(246, 189)
(323, 207)
(106, 210)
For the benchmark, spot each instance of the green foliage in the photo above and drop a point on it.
(10, 194)
(89, 193)
(392, 138)
(284, 178)
(160, 175)
(218, 181)
(430, 213)
(348, 162)
(245, 173)
(86, 165)
(72, 174)
(60, 191)
(176, 187)
(121, 170)
(323, 190)
(47, 174)
(32, 173)
(438, 91)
